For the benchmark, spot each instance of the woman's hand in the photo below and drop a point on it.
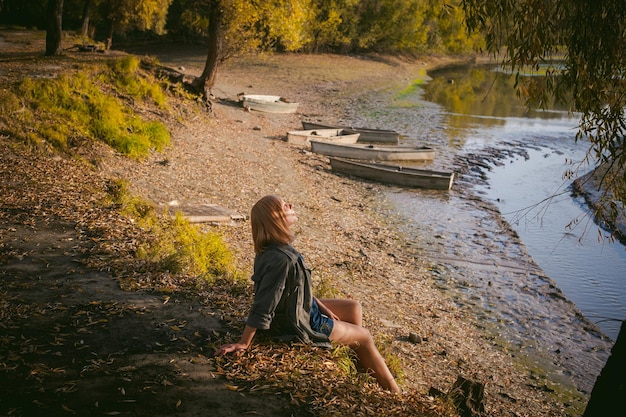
(231, 348)
(239, 347)
(326, 311)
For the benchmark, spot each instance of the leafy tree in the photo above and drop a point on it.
(217, 19)
(124, 15)
(447, 29)
(333, 25)
(238, 26)
(590, 36)
(285, 23)
(389, 25)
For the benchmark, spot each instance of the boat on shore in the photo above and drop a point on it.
(367, 134)
(393, 174)
(304, 137)
(372, 152)
(267, 104)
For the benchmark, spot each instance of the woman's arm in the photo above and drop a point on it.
(270, 276)
(271, 272)
(243, 344)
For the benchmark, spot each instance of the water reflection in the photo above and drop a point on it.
(482, 110)
(482, 91)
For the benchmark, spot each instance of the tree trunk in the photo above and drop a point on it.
(206, 81)
(608, 397)
(109, 40)
(85, 27)
(54, 30)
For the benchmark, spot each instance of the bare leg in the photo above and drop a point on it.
(347, 310)
(360, 340)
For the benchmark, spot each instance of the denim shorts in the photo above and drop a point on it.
(320, 322)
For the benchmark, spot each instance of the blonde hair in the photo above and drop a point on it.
(269, 224)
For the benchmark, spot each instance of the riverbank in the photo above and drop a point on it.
(346, 233)
(591, 186)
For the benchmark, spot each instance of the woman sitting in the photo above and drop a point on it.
(283, 301)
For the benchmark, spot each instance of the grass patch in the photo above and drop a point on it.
(394, 363)
(77, 106)
(125, 74)
(325, 288)
(345, 359)
(410, 90)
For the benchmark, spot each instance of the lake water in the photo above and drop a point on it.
(468, 110)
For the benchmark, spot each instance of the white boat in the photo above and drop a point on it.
(393, 174)
(303, 137)
(268, 104)
(373, 152)
(370, 135)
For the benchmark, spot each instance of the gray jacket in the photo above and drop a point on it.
(283, 296)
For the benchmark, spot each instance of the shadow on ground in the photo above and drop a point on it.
(74, 343)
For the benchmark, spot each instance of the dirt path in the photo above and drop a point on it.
(74, 343)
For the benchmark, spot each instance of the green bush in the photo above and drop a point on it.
(178, 246)
(203, 254)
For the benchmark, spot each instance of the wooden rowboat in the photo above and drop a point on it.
(393, 174)
(372, 152)
(367, 134)
(268, 104)
(303, 137)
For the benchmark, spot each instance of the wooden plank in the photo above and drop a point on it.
(204, 213)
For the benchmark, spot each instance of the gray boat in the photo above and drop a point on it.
(393, 174)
